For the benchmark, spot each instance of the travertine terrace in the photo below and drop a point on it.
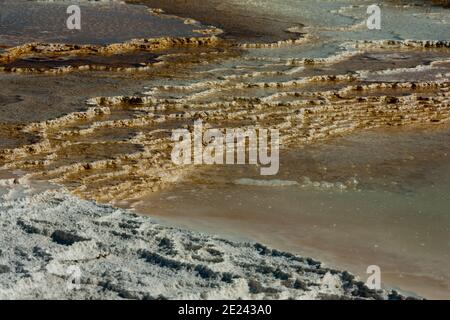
(96, 119)
(119, 149)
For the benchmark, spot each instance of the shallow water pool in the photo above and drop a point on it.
(379, 197)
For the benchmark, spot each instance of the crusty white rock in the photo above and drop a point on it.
(47, 236)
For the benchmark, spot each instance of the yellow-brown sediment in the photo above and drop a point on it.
(304, 109)
(55, 50)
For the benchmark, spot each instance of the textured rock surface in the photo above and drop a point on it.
(49, 238)
(309, 97)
